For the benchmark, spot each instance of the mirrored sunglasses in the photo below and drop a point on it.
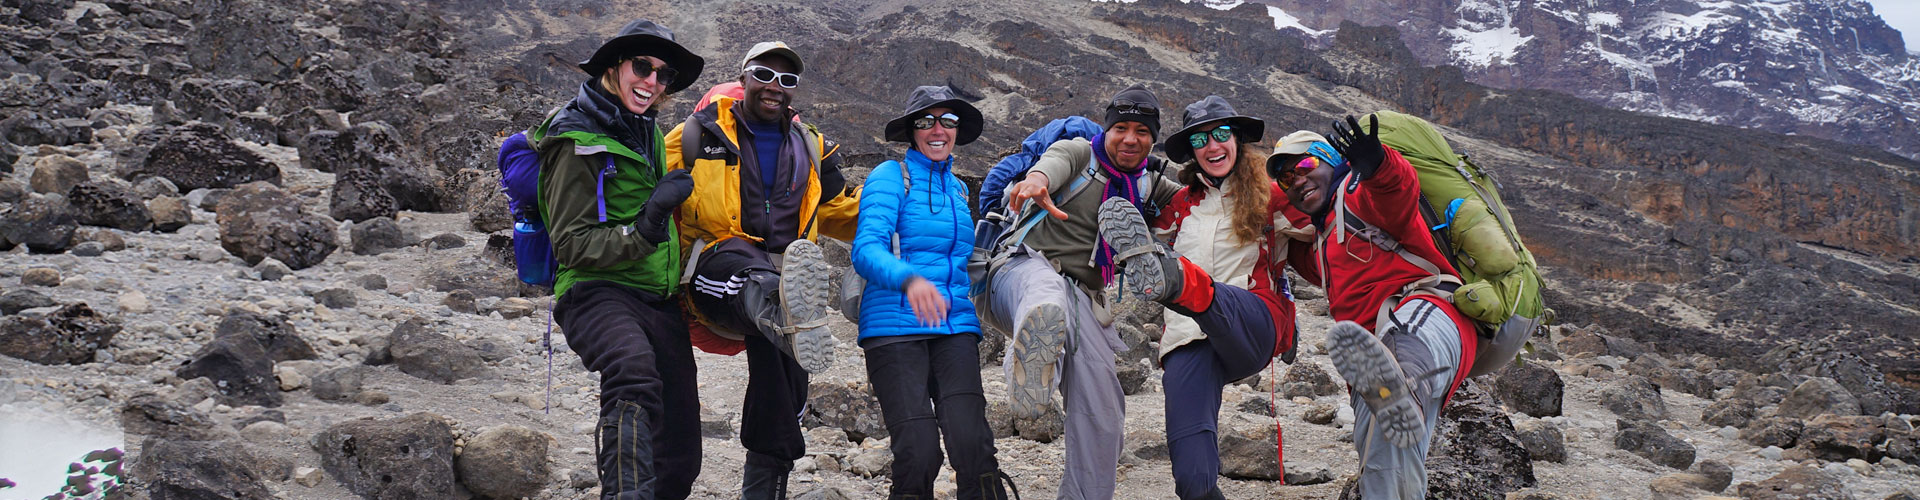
(1199, 139)
(948, 120)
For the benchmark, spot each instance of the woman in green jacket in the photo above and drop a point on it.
(608, 202)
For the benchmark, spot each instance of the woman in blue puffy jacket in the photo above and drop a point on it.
(916, 325)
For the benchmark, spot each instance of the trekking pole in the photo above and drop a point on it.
(547, 341)
(1273, 408)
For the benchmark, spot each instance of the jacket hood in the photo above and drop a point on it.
(594, 111)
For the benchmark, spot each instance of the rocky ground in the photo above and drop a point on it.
(257, 246)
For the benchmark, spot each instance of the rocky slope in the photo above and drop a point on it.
(234, 330)
(1821, 68)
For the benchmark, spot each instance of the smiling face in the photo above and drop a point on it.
(767, 102)
(639, 94)
(1217, 158)
(1128, 143)
(936, 142)
(1311, 193)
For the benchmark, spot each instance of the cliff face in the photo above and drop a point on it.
(1821, 68)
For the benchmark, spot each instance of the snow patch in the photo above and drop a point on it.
(1216, 4)
(1485, 48)
(1596, 20)
(1282, 20)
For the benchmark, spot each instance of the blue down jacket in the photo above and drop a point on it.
(936, 237)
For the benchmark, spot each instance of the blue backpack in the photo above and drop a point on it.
(1013, 166)
(520, 181)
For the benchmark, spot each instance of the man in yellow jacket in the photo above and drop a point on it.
(765, 186)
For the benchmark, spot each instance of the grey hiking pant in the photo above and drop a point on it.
(1096, 409)
(1430, 339)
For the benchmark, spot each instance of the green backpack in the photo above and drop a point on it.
(1500, 285)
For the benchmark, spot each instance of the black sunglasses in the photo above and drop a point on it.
(765, 74)
(642, 68)
(1135, 108)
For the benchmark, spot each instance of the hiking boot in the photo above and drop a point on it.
(803, 304)
(1036, 347)
(625, 457)
(1376, 377)
(764, 477)
(1148, 268)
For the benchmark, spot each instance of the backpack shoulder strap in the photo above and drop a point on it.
(691, 134)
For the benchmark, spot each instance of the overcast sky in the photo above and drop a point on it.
(1903, 15)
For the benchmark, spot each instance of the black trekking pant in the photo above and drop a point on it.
(927, 389)
(733, 283)
(639, 345)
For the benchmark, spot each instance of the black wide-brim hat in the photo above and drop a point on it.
(1201, 116)
(928, 97)
(644, 38)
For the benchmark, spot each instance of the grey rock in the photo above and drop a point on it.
(199, 155)
(21, 299)
(1530, 388)
(1133, 375)
(378, 235)
(1543, 440)
(107, 204)
(1634, 398)
(1476, 452)
(1799, 482)
(272, 270)
(848, 406)
(1247, 448)
(44, 224)
(1816, 396)
(505, 462)
(1309, 379)
(358, 196)
(202, 470)
(259, 221)
(207, 199)
(1044, 428)
(1730, 412)
(460, 301)
(1837, 438)
(422, 352)
(88, 249)
(1652, 442)
(169, 213)
(108, 239)
(276, 336)
(69, 335)
(1783, 432)
(337, 298)
(371, 282)
(239, 366)
(154, 187)
(149, 414)
(480, 275)
(444, 241)
(409, 457)
(41, 276)
(340, 384)
(1147, 445)
(1719, 475)
(12, 191)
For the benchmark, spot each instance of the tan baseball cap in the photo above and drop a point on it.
(1296, 143)
(776, 48)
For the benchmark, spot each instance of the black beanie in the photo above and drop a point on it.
(1141, 106)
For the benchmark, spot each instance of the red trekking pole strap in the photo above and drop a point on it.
(1273, 407)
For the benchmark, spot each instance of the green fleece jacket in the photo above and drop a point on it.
(574, 146)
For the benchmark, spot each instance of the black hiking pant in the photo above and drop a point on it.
(732, 286)
(929, 389)
(639, 345)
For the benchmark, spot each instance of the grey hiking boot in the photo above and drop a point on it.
(1377, 379)
(803, 302)
(1036, 348)
(1144, 264)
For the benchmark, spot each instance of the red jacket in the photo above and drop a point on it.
(1360, 275)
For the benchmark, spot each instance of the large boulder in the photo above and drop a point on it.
(239, 367)
(388, 179)
(293, 129)
(358, 195)
(1530, 388)
(1799, 482)
(409, 457)
(276, 336)
(1476, 452)
(377, 236)
(258, 221)
(1634, 398)
(1543, 440)
(107, 204)
(1307, 378)
(1247, 447)
(1728, 413)
(183, 470)
(45, 224)
(170, 213)
(483, 276)
(1863, 379)
(150, 414)
(199, 155)
(21, 299)
(848, 406)
(1783, 432)
(505, 462)
(1819, 396)
(1837, 438)
(1653, 442)
(249, 39)
(56, 174)
(69, 335)
(421, 352)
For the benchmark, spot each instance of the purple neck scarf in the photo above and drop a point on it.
(1122, 183)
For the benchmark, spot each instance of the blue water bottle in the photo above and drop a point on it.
(533, 253)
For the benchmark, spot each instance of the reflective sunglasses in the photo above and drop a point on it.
(1199, 139)
(642, 68)
(1289, 177)
(765, 74)
(948, 120)
(1135, 108)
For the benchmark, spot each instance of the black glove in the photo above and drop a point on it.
(1362, 150)
(672, 189)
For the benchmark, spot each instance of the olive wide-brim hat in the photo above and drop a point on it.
(1203, 113)
(644, 38)
(928, 97)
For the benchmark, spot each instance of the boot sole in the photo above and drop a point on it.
(1124, 230)
(1376, 377)
(1036, 347)
(803, 296)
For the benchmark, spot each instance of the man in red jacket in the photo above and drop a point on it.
(1402, 348)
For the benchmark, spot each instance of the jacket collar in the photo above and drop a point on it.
(594, 111)
(915, 157)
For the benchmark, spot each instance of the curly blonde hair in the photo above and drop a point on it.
(1248, 191)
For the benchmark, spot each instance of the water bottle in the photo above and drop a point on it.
(533, 253)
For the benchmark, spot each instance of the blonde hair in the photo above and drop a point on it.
(1248, 192)
(610, 82)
